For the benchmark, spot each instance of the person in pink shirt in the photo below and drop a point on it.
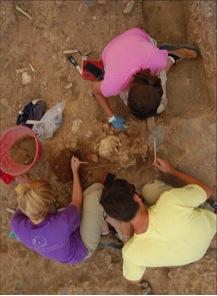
(135, 68)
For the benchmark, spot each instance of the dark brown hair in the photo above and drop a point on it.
(145, 94)
(117, 200)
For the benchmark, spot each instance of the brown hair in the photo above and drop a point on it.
(117, 200)
(145, 94)
(35, 198)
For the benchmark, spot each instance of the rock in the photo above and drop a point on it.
(26, 78)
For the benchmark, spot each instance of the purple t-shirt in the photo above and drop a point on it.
(57, 237)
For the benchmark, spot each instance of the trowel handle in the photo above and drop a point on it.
(74, 63)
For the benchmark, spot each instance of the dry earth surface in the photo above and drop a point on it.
(187, 129)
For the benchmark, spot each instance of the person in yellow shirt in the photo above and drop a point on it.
(174, 230)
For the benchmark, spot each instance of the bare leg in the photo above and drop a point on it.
(182, 53)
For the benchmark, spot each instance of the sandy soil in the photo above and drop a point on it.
(188, 129)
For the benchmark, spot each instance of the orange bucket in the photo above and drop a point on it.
(7, 139)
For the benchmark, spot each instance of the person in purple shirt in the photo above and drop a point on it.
(68, 236)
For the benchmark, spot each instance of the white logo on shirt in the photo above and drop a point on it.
(39, 241)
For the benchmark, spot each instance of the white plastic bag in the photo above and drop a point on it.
(50, 122)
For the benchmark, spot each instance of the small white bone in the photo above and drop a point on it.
(23, 12)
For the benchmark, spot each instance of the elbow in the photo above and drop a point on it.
(133, 282)
(209, 192)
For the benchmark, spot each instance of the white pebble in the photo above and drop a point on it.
(26, 78)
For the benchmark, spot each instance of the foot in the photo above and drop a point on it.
(184, 53)
(146, 288)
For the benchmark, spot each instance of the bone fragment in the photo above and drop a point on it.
(23, 12)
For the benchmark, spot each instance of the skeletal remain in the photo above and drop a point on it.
(19, 71)
(69, 51)
(31, 67)
(129, 7)
(24, 13)
(10, 210)
(68, 86)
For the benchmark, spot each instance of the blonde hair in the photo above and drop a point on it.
(35, 198)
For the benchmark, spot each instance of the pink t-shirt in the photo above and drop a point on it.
(127, 54)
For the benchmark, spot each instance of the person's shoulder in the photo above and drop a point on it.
(130, 247)
(188, 195)
(18, 218)
(20, 224)
(63, 213)
(67, 217)
(192, 189)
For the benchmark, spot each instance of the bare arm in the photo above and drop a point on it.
(77, 195)
(102, 101)
(166, 167)
(126, 229)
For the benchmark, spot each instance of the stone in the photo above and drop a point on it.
(26, 78)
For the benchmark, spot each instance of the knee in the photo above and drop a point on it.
(94, 190)
(94, 186)
(147, 189)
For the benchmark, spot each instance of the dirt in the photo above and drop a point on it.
(23, 151)
(188, 127)
(61, 165)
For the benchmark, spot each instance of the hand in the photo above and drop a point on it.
(164, 166)
(75, 164)
(22, 179)
(118, 122)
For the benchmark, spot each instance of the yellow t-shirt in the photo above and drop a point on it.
(178, 233)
